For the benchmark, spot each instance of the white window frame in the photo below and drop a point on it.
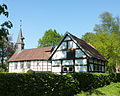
(68, 69)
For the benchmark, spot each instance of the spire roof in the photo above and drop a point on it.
(20, 37)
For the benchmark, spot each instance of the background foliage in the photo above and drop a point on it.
(106, 39)
(50, 38)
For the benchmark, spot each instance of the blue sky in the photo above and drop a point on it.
(74, 16)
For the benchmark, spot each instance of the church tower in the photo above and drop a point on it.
(20, 43)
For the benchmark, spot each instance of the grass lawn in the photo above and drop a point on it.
(110, 90)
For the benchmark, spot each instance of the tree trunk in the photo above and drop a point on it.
(2, 56)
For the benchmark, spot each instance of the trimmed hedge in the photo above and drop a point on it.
(49, 84)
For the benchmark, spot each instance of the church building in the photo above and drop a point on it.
(70, 55)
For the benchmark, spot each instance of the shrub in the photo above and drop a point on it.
(2, 70)
(49, 84)
(30, 71)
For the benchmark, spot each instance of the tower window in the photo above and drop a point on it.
(23, 47)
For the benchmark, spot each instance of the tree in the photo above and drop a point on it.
(88, 37)
(4, 32)
(109, 24)
(106, 39)
(50, 38)
(6, 25)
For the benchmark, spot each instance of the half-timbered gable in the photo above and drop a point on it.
(75, 55)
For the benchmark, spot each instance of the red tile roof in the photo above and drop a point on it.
(32, 54)
(89, 48)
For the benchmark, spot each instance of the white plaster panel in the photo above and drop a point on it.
(10, 64)
(79, 53)
(49, 66)
(45, 69)
(55, 63)
(44, 66)
(63, 46)
(67, 62)
(49, 63)
(49, 69)
(67, 38)
(71, 44)
(59, 55)
(80, 68)
(80, 61)
(35, 66)
(56, 69)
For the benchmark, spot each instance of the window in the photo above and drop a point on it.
(16, 65)
(96, 67)
(64, 69)
(71, 54)
(103, 69)
(22, 46)
(56, 63)
(28, 64)
(91, 67)
(91, 60)
(67, 62)
(79, 53)
(102, 63)
(100, 68)
(99, 62)
(95, 61)
(21, 65)
(80, 61)
(70, 69)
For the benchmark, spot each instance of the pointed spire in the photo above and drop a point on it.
(20, 37)
(20, 43)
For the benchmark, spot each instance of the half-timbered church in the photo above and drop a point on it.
(70, 55)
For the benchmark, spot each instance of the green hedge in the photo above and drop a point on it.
(88, 81)
(48, 84)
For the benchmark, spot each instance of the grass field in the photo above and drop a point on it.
(110, 90)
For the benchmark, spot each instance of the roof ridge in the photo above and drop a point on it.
(39, 48)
